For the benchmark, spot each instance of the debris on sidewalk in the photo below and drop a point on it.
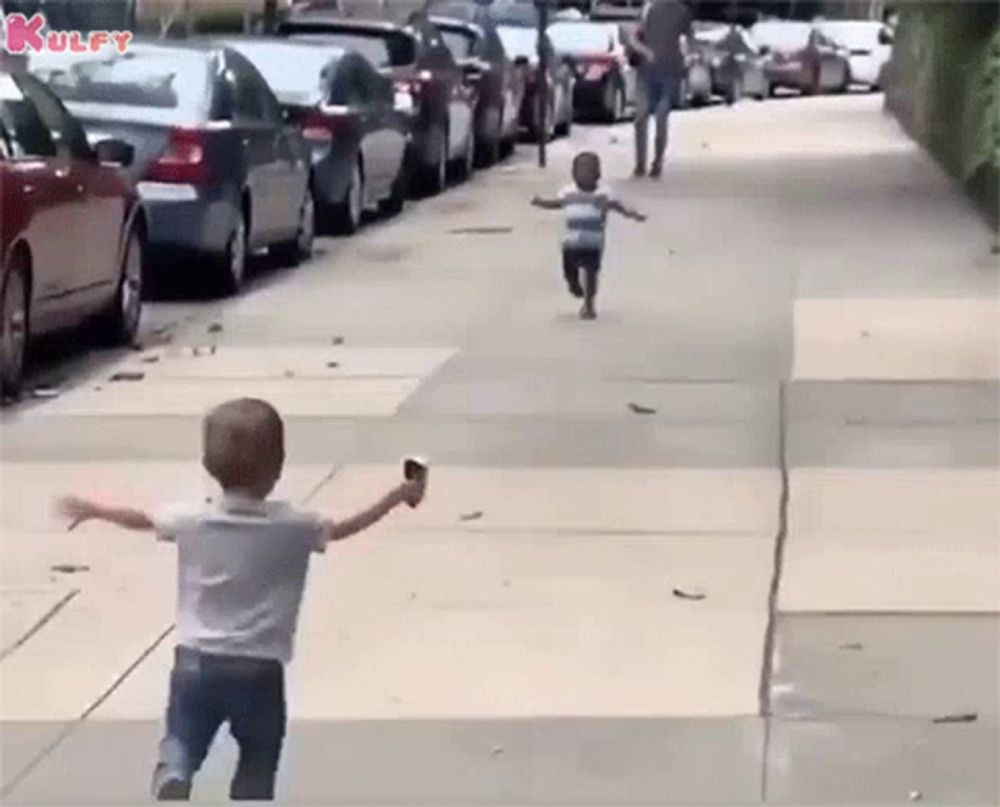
(153, 359)
(639, 409)
(198, 352)
(689, 595)
(866, 334)
(333, 365)
(852, 646)
(481, 230)
(497, 751)
(69, 568)
(475, 515)
(916, 795)
(215, 327)
(337, 340)
(127, 375)
(966, 717)
(289, 374)
(995, 249)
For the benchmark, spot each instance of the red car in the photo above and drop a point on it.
(72, 232)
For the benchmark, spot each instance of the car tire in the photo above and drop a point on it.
(294, 252)
(346, 215)
(119, 324)
(15, 331)
(233, 262)
(393, 204)
(434, 176)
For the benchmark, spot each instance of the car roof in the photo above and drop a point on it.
(336, 52)
(328, 18)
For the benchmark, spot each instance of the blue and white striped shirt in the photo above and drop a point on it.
(586, 215)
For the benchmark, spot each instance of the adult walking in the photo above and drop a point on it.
(659, 44)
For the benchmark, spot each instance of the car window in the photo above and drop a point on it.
(67, 134)
(296, 73)
(22, 133)
(381, 48)
(575, 37)
(460, 43)
(149, 84)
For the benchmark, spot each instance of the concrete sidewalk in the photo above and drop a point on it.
(809, 320)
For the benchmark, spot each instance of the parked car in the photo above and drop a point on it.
(356, 136)
(480, 53)
(220, 171)
(605, 81)
(735, 61)
(696, 86)
(72, 230)
(429, 86)
(869, 44)
(801, 58)
(522, 43)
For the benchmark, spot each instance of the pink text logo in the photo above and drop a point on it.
(24, 35)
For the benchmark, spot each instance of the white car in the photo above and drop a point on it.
(870, 46)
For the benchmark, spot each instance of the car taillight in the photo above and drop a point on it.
(318, 127)
(183, 159)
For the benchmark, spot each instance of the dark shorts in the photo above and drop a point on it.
(576, 258)
(207, 691)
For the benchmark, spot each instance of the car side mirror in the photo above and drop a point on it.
(115, 152)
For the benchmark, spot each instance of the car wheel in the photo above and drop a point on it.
(435, 174)
(294, 252)
(14, 331)
(233, 267)
(119, 325)
(393, 204)
(348, 213)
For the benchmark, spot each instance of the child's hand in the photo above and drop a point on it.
(413, 490)
(76, 510)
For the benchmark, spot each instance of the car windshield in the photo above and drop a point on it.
(459, 41)
(782, 35)
(150, 86)
(573, 38)
(852, 34)
(296, 72)
(519, 41)
(381, 48)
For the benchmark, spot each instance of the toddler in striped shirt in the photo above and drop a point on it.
(585, 205)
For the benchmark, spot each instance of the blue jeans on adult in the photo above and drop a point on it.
(656, 94)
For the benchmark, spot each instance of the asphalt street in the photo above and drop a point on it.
(736, 541)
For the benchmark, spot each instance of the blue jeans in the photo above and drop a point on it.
(656, 94)
(207, 691)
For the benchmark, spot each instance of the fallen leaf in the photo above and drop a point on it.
(69, 568)
(333, 364)
(127, 375)
(688, 595)
(337, 340)
(215, 327)
(149, 359)
(966, 717)
(852, 646)
(639, 409)
(475, 515)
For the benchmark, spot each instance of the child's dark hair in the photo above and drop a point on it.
(586, 170)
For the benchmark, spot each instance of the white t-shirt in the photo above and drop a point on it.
(241, 572)
(586, 216)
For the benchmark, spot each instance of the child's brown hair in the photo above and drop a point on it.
(243, 445)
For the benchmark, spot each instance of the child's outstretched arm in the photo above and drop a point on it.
(546, 204)
(410, 492)
(79, 510)
(626, 211)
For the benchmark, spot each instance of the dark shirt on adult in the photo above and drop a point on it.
(663, 24)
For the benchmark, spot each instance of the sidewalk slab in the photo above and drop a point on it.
(882, 762)
(892, 540)
(295, 397)
(922, 666)
(892, 339)
(583, 500)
